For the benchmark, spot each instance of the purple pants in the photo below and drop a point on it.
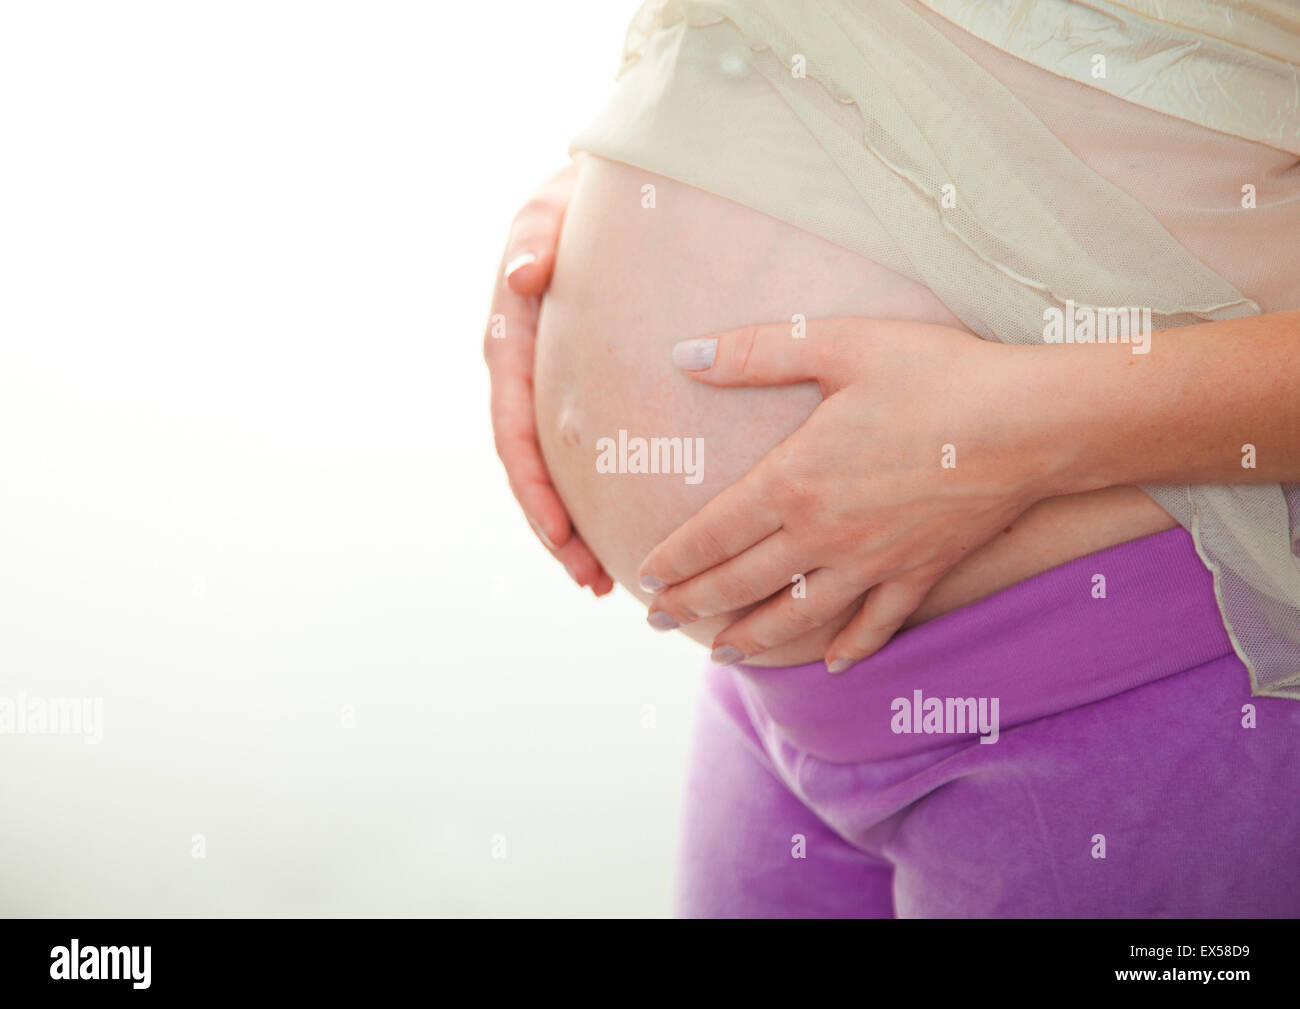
(1130, 773)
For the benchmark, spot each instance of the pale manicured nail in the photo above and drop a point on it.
(519, 262)
(839, 665)
(662, 621)
(538, 529)
(726, 655)
(695, 355)
(650, 583)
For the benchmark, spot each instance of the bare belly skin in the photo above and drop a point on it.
(630, 282)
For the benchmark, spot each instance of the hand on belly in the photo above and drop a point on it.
(632, 281)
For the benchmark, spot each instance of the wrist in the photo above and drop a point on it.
(1063, 423)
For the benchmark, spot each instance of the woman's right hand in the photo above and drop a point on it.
(508, 345)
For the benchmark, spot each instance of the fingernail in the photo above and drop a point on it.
(650, 583)
(839, 665)
(519, 262)
(662, 621)
(538, 529)
(726, 655)
(573, 574)
(695, 355)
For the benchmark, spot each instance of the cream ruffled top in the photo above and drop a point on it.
(888, 127)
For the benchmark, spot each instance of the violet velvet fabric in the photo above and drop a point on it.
(1126, 730)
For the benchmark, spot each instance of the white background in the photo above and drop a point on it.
(247, 478)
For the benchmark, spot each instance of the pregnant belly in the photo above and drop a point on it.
(631, 280)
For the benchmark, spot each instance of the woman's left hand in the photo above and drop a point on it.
(928, 442)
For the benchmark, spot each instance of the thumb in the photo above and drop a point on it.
(769, 354)
(535, 234)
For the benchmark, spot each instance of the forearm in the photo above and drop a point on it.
(1212, 403)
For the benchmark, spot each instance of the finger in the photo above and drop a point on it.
(510, 363)
(887, 607)
(583, 567)
(508, 347)
(515, 434)
(750, 577)
(531, 485)
(735, 520)
(530, 255)
(529, 259)
(768, 354)
(786, 616)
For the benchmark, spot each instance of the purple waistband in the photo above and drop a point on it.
(1053, 642)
